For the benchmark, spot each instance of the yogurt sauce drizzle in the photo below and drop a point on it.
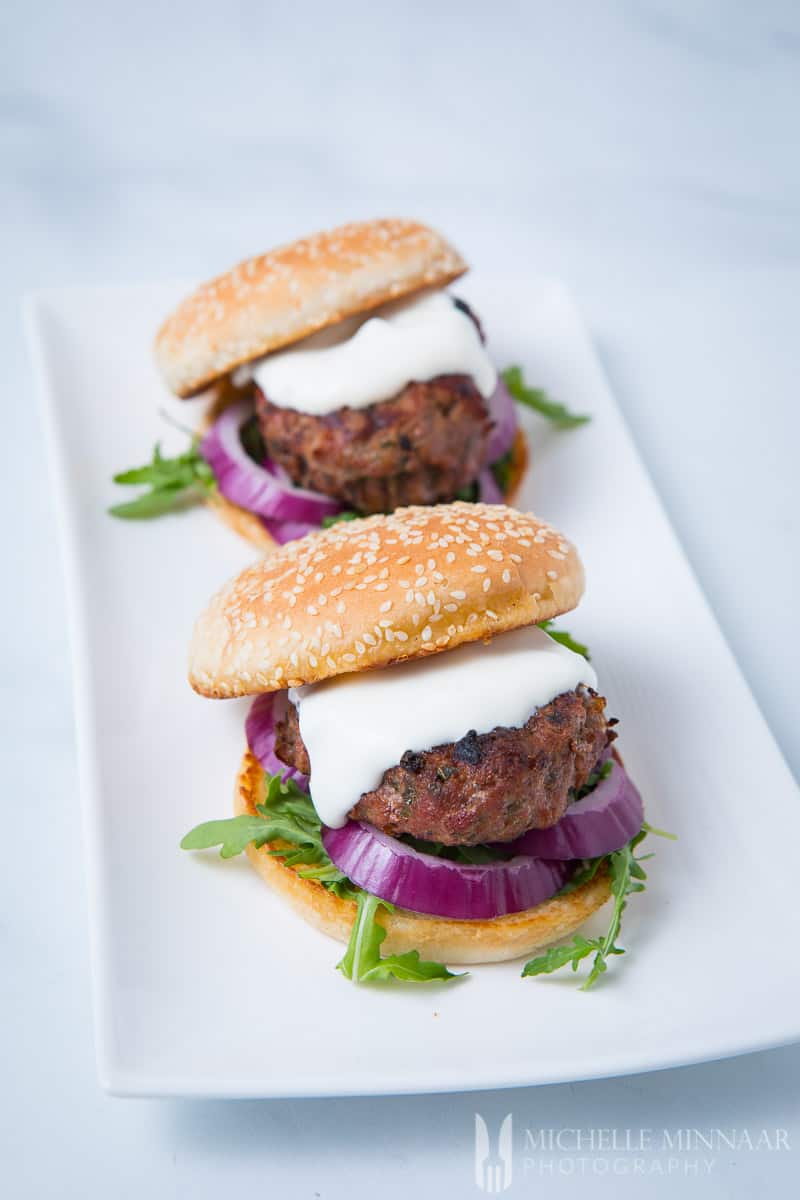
(357, 726)
(357, 362)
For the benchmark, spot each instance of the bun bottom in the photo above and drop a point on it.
(439, 938)
(241, 521)
(248, 525)
(518, 466)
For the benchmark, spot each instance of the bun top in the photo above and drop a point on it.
(371, 592)
(279, 297)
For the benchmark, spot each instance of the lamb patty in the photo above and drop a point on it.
(488, 787)
(419, 447)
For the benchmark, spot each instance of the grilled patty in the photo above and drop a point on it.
(419, 447)
(488, 787)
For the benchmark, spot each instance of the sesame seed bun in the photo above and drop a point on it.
(277, 298)
(438, 938)
(379, 590)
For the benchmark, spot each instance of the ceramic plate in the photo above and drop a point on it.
(204, 983)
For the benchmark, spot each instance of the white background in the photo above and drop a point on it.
(647, 154)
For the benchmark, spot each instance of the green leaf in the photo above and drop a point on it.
(347, 515)
(581, 876)
(501, 469)
(253, 440)
(468, 494)
(673, 837)
(286, 814)
(595, 777)
(626, 878)
(560, 956)
(473, 855)
(362, 962)
(174, 483)
(539, 401)
(233, 835)
(565, 639)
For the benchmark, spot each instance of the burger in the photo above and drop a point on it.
(431, 775)
(341, 378)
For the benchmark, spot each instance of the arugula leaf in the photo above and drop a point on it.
(173, 483)
(501, 469)
(538, 400)
(362, 962)
(595, 777)
(627, 876)
(469, 493)
(565, 639)
(286, 814)
(233, 835)
(347, 515)
(582, 875)
(673, 837)
(473, 855)
(252, 439)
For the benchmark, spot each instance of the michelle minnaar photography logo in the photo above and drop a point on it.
(493, 1156)
(539, 1153)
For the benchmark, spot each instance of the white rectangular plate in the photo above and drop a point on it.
(204, 983)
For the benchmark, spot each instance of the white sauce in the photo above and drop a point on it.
(357, 726)
(360, 362)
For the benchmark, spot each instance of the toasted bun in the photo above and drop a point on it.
(248, 525)
(279, 297)
(245, 523)
(517, 466)
(379, 590)
(439, 938)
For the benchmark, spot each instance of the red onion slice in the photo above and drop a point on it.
(439, 887)
(260, 733)
(601, 822)
(503, 412)
(264, 490)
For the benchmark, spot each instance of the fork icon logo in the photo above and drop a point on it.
(493, 1168)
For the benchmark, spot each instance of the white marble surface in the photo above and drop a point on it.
(647, 153)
